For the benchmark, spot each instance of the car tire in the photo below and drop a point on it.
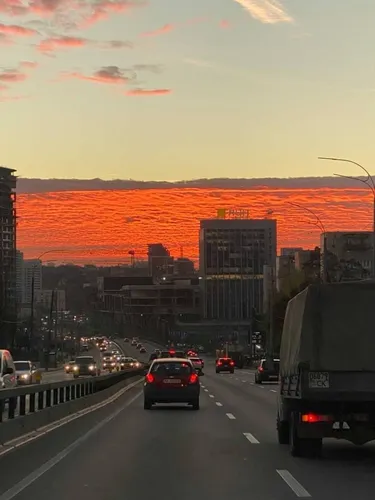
(283, 431)
(195, 404)
(75, 376)
(257, 381)
(232, 371)
(147, 405)
(217, 371)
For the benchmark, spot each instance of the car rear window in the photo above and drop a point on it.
(173, 368)
(165, 354)
(196, 360)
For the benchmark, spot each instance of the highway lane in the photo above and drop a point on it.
(344, 471)
(138, 454)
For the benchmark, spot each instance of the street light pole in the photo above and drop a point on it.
(319, 223)
(369, 182)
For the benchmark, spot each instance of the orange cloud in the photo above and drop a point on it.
(104, 8)
(167, 28)
(51, 44)
(148, 92)
(13, 29)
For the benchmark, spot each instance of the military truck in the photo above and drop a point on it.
(327, 367)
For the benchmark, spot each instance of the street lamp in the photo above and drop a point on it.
(369, 182)
(319, 223)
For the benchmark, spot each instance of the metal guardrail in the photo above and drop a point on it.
(22, 401)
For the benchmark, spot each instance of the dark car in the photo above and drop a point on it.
(142, 350)
(267, 371)
(85, 365)
(165, 354)
(172, 380)
(225, 365)
(153, 355)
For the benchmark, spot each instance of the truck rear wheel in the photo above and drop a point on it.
(303, 447)
(282, 428)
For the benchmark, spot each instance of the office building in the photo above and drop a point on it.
(32, 270)
(232, 255)
(347, 256)
(289, 251)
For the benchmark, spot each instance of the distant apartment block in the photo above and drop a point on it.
(51, 298)
(32, 270)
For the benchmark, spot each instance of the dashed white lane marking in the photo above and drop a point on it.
(251, 383)
(251, 438)
(206, 390)
(293, 484)
(261, 386)
(244, 381)
(211, 395)
(272, 390)
(203, 387)
(230, 416)
(237, 378)
(218, 404)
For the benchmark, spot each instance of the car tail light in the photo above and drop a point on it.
(219, 363)
(312, 418)
(193, 378)
(150, 378)
(260, 368)
(231, 363)
(172, 353)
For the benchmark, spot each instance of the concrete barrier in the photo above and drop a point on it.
(15, 428)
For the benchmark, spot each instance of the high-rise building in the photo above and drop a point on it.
(160, 262)
(8, 304)
(232, 256)
(19, 276)
(32, 271)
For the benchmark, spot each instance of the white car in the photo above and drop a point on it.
(8, 378)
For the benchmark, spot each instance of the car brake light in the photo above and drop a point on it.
(172, 352)
(312, 418)
(193, 378)
(150, 378)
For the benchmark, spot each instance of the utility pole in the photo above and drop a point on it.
(32, 307)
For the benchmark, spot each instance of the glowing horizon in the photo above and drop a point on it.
(102, 226)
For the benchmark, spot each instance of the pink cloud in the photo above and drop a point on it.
(12, 76)
(104, 8)
(224, 24)
(147, 92)
(51, 44)
(28, 64)
(167, 28)
(111, 75)
(13, 29)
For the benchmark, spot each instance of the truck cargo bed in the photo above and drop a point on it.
(328, 386)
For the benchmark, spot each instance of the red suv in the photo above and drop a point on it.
(224, 365)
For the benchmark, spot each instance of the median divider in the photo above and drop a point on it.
(44, 404)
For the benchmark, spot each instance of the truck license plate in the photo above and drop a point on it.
(318, 380)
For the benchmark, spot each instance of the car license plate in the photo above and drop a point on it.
(172, 381)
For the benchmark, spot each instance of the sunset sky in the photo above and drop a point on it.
(181, 89)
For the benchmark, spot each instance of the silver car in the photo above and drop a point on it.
(27, 373)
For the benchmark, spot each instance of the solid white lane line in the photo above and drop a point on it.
(36, 474)
(218, 404)
(251, 438)
(293, 484)
(211, 396)
(229, 415)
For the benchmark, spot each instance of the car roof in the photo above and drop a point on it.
(22, 361)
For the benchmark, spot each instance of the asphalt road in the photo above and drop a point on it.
(228, 449)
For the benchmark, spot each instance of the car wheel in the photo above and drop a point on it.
(147, 405)
(195, 404)
(257, 381)
(75, 376)
(217, 371)
(232, 371)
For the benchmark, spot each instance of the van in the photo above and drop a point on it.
(8, 378)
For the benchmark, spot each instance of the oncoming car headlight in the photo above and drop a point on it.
(25, 376)
(91, 367)
(75, 368)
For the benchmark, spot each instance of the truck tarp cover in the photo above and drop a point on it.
(330, 327)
